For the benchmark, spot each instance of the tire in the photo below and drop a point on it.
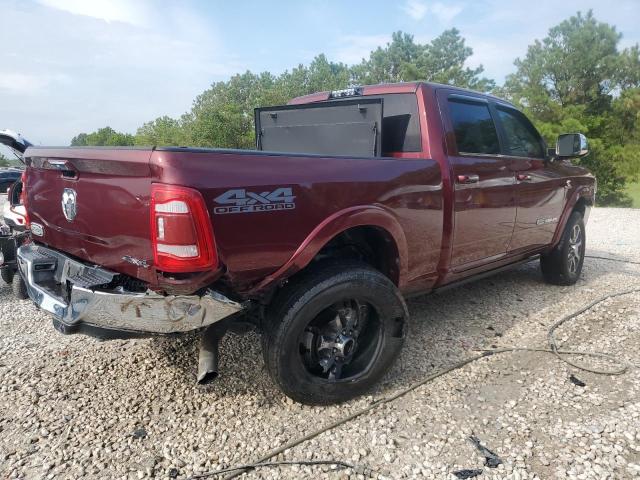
(333, 332)
(7, 275)
(563, 265)
(19, 287)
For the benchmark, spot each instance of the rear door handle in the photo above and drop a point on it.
(466, 179)
(524, 177)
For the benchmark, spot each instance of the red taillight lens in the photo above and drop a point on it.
(181, 231)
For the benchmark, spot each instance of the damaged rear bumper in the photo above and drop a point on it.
(88, 308)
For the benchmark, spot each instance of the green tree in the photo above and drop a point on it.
(223, 115)
(161, 132)
(106, 136)
(79, 140)
(441, 61)
(577, 79)
(392, 63)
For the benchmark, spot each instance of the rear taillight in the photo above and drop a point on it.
(181, 231)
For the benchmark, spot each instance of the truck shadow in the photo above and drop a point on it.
(444, 329)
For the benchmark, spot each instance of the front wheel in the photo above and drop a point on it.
(334, 332)
(563, 265)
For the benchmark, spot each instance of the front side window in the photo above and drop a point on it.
(522, 139)
(473, 126)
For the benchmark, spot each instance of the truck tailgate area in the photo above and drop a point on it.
(94, 205)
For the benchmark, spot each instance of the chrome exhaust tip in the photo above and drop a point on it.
(208, 355)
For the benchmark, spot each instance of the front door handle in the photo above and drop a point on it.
(466, 179)
(524, 177)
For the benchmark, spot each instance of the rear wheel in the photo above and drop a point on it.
(333, 333)
(563, 265)
(19, 287)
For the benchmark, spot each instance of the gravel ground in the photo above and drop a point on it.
(74, 407)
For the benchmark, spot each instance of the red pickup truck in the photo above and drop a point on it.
(351, 201)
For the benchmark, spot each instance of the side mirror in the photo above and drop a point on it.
(571, 145)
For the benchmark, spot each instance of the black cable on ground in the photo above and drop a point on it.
(621, 260)
(558, 353)
(349, 417)
(553, 348)
(254, 466)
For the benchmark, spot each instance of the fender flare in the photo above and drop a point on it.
(358, 216)
(582, 192)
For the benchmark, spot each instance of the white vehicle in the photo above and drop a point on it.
(13, 212)
(13, 231)
(15, 142)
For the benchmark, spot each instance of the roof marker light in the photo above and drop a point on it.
(347, 92)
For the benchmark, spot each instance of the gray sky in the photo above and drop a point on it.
(71, 66)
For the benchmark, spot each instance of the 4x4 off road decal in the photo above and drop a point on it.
(239, 200)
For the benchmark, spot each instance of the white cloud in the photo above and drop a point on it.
(84, 72)
(496, 56)
(352, 49)
(134, 13)
(445, 13)
(20, 83)
(418, 9)
(499, 33)
(68, 66)
(29, 84)
(415, 9)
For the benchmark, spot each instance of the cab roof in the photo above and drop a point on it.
(385, 88)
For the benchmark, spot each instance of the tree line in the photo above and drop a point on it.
(575, 79)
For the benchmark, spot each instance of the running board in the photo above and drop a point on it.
(479, 276)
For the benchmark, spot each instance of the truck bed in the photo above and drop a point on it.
(263, 206)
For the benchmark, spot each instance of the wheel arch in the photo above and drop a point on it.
(368, 233)
(371, 244)
(581, 206)
(581, 201)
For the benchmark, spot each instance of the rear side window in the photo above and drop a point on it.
(400, 122)
(473, 126)
(521, 137)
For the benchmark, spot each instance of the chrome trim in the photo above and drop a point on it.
(37, 229)
(46, 271)
(69, 204)
(59, 164)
